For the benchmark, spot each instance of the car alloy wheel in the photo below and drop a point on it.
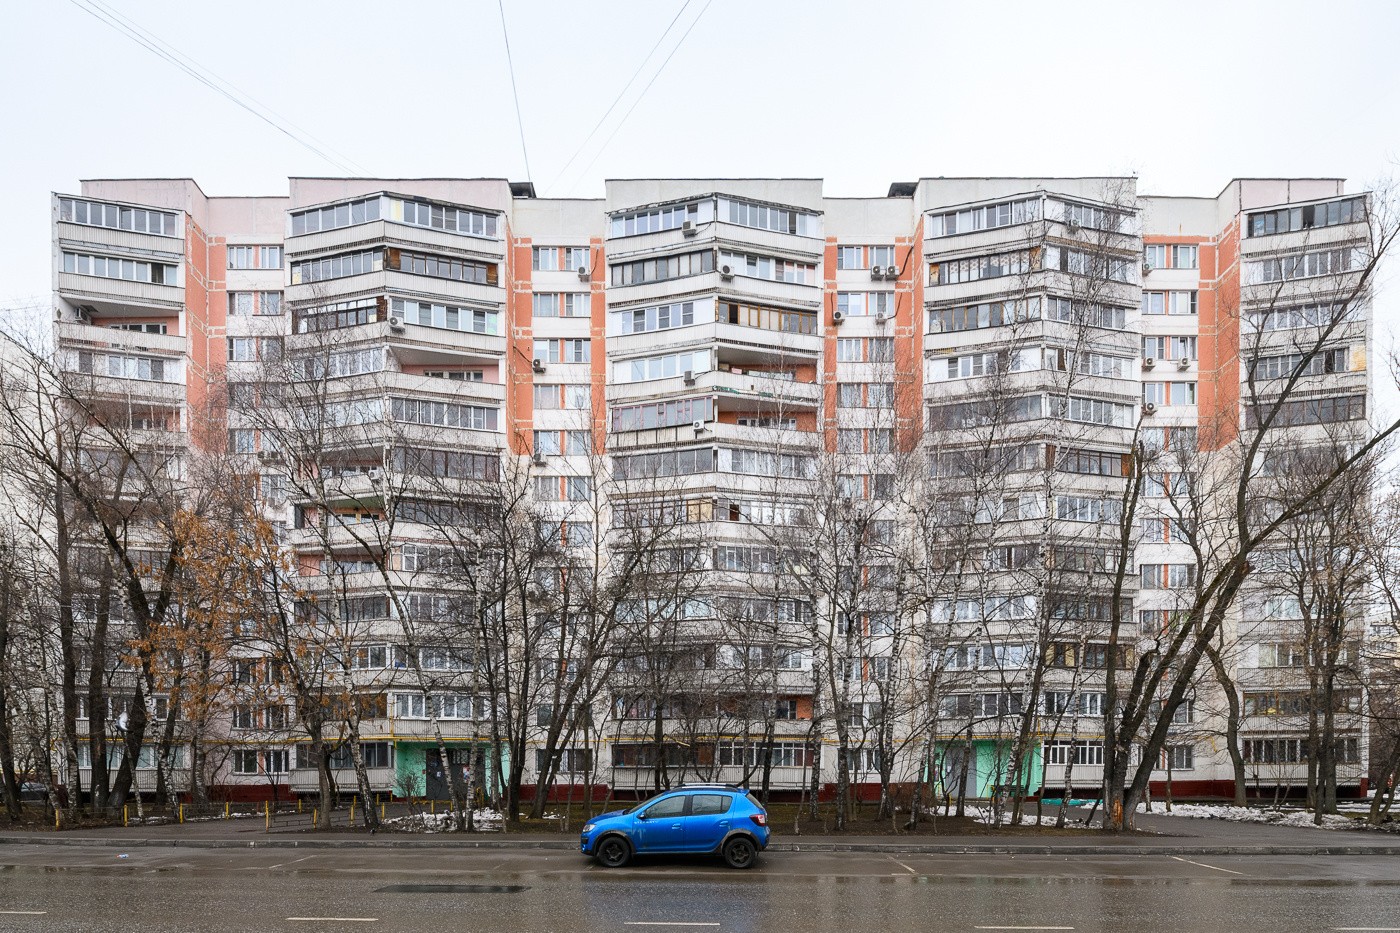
(740, 852)
(613, 852)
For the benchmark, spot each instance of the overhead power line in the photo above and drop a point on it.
(620, 123)
(510, 64)
(618, 99)
(221, 86)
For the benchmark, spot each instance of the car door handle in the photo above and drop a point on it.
(675, 825)
(724, 822)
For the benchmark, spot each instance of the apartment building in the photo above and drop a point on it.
(755, 369)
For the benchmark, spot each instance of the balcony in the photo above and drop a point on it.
(409, 236)
(167, 248)
(747, 391)
(89, 336)
(119, 297)
(399, 283)
(730, 434)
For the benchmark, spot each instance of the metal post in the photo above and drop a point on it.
(226, 809)
(352, 811)
(182, 813)
(124, 821)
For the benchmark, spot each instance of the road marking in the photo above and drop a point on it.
(665, 923)
(1204, 865)
(336, 919)
(1370, 929)
(901, 864)
(293, 862)
(25, 913)
(1023, 928)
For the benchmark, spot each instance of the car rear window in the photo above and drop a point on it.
(709, 804)
(754, 800)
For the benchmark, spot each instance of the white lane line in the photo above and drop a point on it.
(1370, 929)
(1023, 928)
(901, 864)
(335, 919)
(25, 913)
(665, 923)
(1204, 865)
(293, 862)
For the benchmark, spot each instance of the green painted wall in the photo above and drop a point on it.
(409, 758)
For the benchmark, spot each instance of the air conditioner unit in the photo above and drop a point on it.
(877, 272)
(1149, 408)
(881, 317)
(537, 459)
(837, 317)
(689, 229)
(689, 377)
(375, 474)
(583, 273)
(726, 272)
(699, 427)
(1146, 268)
(892, 272)
(1184, 363)
(84, 313)
(537, 365)
(1149, 362)
(396, 323)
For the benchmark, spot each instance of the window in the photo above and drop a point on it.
(1305, 265)
(881, 349)
(1058, 752)
(441, 217)
(547, 397)
(447, 317)
(979, 316)
(445, 414)
(767, 217)
(337, 267)
(263, 303)
(1298, 412)
(656, 317)
(440, 267)
(661, 269)
(1293, 219)
(547, 443)
(566, 304)
(560, 258)
(666, 414)
(130, 270)
(578, 397)
(850, 350)
(1184, 257)
(661, 367)
(954, 271)
(984, 217)
(335, 216)
(653, 220)
(255, 257)
(1154, 256)
(767, 267)
(1168, 576)
(135, 219)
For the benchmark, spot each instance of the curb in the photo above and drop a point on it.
(562, 846)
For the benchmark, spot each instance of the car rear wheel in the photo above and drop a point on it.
(613, 852)
(740, 852)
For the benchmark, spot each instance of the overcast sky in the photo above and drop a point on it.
(1186, 95)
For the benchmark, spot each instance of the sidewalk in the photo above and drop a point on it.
(1158, 835)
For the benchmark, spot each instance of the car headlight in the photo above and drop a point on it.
(590, 827)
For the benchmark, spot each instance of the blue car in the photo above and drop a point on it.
(695, 819)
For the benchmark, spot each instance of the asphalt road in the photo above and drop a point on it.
(46, 889)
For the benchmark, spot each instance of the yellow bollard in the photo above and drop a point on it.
(226, 809)
(381, 810)
(298, 804)
(124, 823)
(182, 813)
(432, 807)
(316, 817)
(55, 818)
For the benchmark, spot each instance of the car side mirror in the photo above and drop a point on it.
(641, 816)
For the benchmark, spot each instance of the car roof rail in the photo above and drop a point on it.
(718, 784)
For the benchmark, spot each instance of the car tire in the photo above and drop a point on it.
(740, 852)
(613, 852)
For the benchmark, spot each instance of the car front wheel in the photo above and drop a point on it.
(613, 852)
(740, 852)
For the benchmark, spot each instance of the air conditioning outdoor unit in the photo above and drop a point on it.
(1184, 363)
(1149, 408)
(726, 272)
(1149, 362)
(583, 273)
(84, 313)
(1146, 268)
(699, 427)
(689, 229)
(396, 323)
(537, 365)
(689, 377)
(537, 459)
(877, 272)
(881, 318)
(892, 272)
(375, 474)
(837, 317)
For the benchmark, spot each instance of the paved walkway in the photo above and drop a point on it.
(1158, 834)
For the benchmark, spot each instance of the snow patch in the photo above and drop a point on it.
(1276, 816)
(985, 815)
(486, 821)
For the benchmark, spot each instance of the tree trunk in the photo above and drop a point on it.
(1233, 715)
